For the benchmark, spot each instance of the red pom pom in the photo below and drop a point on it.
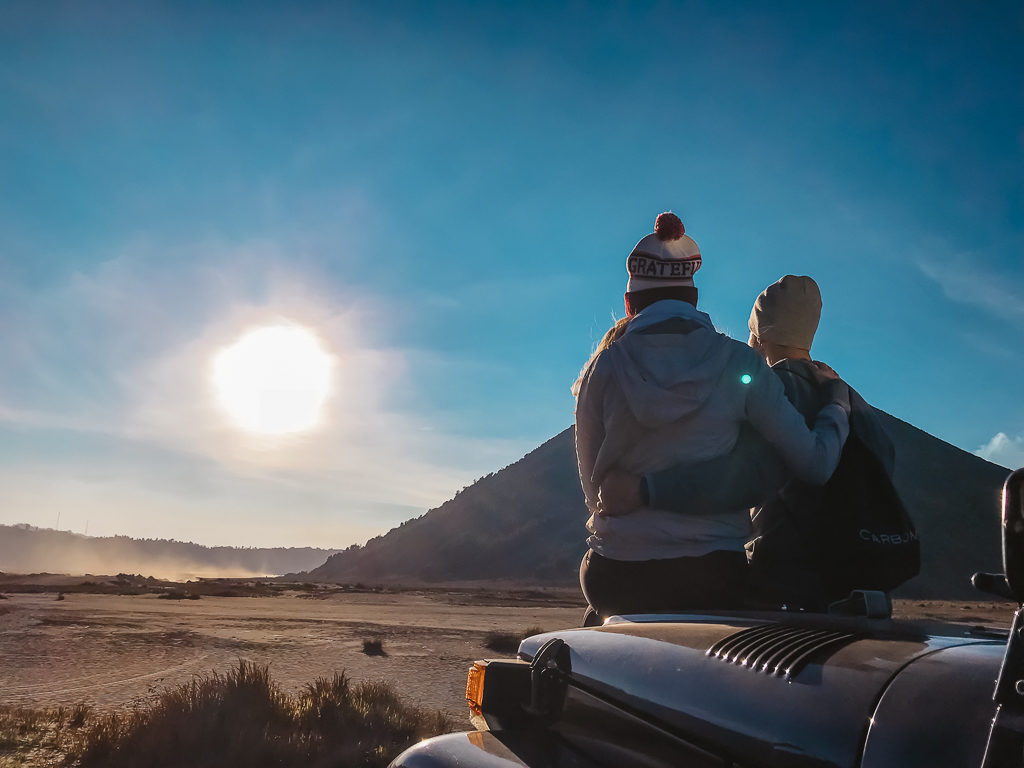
(668, 226)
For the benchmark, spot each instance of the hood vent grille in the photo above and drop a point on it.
(777, 649)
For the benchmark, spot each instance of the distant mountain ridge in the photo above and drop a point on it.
(525, 524)
(26, 549)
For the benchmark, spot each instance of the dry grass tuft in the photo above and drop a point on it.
(508, 642)
(242, 718)
(39, 736)
(178, 594)
(239, 718)
(374, 647)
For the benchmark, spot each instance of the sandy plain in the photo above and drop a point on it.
(117, 651)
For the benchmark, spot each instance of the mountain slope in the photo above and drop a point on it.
(525, 523)
(954, 499)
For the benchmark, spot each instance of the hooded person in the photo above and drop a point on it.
(663, 388)
(789, 520)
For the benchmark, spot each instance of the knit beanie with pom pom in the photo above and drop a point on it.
(662, 265)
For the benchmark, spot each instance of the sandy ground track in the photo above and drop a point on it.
(112, 651)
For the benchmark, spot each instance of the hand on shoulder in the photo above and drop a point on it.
(823, 371)
(836, 388)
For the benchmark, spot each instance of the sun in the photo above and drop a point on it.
(273, 380)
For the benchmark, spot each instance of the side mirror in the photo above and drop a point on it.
(1006, 739)
(1013, 534)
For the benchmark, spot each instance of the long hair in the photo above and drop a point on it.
(611, 335)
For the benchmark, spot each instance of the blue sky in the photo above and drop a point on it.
(446, 193)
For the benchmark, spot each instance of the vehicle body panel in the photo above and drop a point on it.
(934, 712)
(660, 670)
(647, 691)
(504, 749)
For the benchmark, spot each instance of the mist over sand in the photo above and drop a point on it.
(25, 549)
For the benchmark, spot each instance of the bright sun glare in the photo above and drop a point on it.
(273, 380)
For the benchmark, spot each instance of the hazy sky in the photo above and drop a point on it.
(445, 193)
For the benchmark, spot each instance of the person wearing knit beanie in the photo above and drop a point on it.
(787, 313)
(665, 387)
(662, 266)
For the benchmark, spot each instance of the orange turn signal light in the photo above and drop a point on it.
(475, 687)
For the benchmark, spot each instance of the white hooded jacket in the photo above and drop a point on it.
(673, 390)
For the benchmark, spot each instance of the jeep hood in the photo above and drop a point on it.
(718, 680)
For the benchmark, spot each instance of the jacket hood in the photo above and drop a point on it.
(669, 363)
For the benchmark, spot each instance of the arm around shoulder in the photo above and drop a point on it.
(744, 477)
(812, 455)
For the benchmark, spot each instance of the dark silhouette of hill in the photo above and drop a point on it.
(25, 549)
(954, 498)
(525, 523)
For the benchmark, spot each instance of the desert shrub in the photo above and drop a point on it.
(36, 736)
(502, 642)
(16, 722)
(17, 728)
(178, 594)
(363, 724)
(508, 642)
(243, 718)
(374, 647)
(78, 715)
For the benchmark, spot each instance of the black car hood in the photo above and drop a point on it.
(660, 668)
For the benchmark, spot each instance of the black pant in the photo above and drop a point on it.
(715, 580)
